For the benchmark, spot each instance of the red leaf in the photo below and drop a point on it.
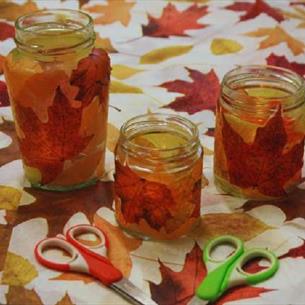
(174, 22)
(177, 288)
(6, 31)
(295, 252)
(210, 132)
(297, 3)
(281, 61)
(255, 9)
(262, 164)
(4, 99)
(200, 94)
(46, 145)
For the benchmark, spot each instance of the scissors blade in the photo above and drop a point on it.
(132, 293)
(196, 301)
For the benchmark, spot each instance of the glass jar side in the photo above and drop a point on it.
(259, 139)
(158, 160)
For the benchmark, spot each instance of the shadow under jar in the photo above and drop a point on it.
(158, 164)
(260, 127)
(58, 86)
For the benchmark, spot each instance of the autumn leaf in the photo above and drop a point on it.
(276, 36)
(298, 14)
(177, 288)
(81, 3)
(119, 87)
(174, 22)
(295, 252)
(104, 43)
(113, 134)
(281, 61)
(120, 245)
(263, 164)
(255, 9)
(220, 46)
(66, 300)
(9, 197)
(113, 11)
(4, 98)
(18, 271)
(71, 276)
(200, 94)
(6, 30)
(10, 10)
(123, 72)
(158, 55)
(18, 295)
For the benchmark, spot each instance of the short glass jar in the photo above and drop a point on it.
(158, 164)
(260, 128)
(58, 86)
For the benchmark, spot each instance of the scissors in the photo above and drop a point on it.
(226, 273)
(90, 259)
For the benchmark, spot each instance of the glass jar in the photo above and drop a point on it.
(158, 170)
(58, 87)
(260, 127)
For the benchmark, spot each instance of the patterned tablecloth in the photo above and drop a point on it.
(166, 56)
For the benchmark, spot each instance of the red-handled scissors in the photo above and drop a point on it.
(90, 259)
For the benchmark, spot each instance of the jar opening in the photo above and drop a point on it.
(260, 89)
(53, 32)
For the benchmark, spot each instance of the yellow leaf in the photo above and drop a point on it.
(118, 10)
(104, 43)
(18, 271)
(113, 134)
(158, 55)
(123, 72)
(242, 225)
(9, 197)
(299, 14)
(120, 245)
(119, 87)
(207, 151)
(65, 300)
(18, 295)
(221, 46)
(10, 11)
(276, 36)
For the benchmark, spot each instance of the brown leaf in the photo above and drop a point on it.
(72, 276)
(65, 300)
(10, 10)
(113, 11)
(18, 295)
(177, 288)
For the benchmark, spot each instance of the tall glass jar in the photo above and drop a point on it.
(158, 164)
(58, 86)
(260, 128)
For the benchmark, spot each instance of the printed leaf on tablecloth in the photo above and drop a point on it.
(65, 301)
(10, 10)
(9, 197)
(298, 14)
(123, 72)
(281, 61)
(81, 3)
(119, 87)
(177, 288)
(6, 30)
(253, 160)
(295, 252)
(4, 98)
(255, 9)
(104, 43)
(158, 55)
(220, 46)
(200, 94)
(120, 245)
(72, 276)
(174, 22)
(113, 134)
(276, 36)
(18, 295)
(18, 271)
(113, 11)
(297, 3)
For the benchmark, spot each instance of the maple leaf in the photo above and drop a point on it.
(10, 11)
(140, 198)
(177, 288)
(200, 94)
(4, 98)
(17, 295)
(174, 22)
(255, 9)
(298, 14)
(118, 10)
(297, 3)
(262, 164)
(276, 36)
(59, 139)
(281, 61)
(295, 252)
(6, 31)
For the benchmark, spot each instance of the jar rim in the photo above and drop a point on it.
(275, 74)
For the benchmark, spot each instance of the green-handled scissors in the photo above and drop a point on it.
(226, 273)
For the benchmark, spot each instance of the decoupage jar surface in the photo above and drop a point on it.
(58, 87)
(158, 170)
(260, 128)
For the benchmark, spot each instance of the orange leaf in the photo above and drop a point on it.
(10, 11)
(120, 245)
(104, 43)
(113, 11)
(276, 36)
(17, 295)
(71, 276)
